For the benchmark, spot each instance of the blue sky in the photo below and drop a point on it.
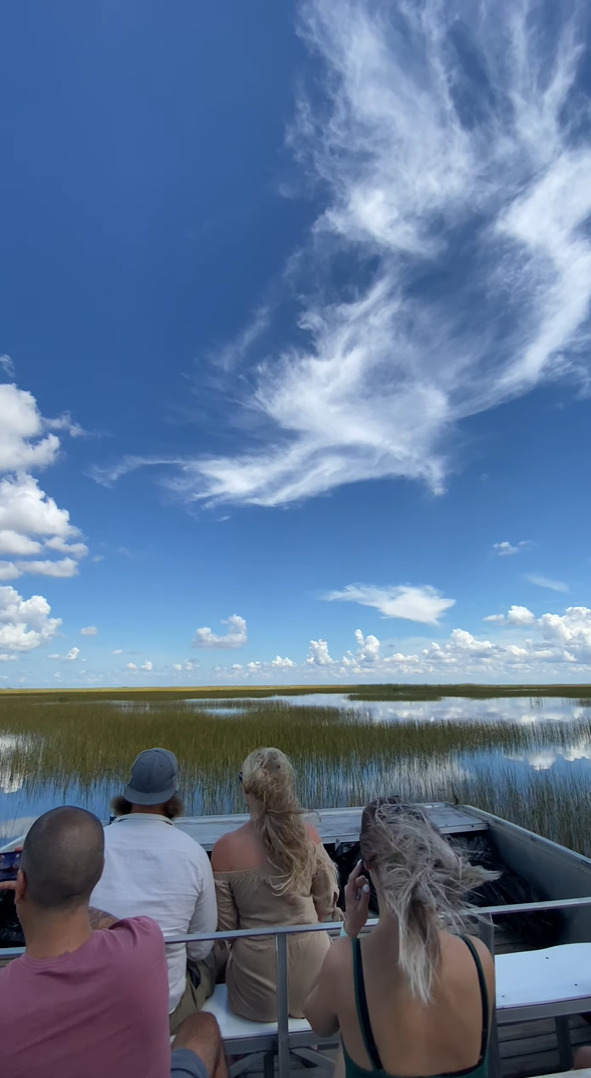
(294, 326)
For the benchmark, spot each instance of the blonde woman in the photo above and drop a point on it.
(273, 870)
(411, 997)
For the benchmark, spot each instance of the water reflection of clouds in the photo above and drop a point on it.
(544, 759)
(458, 709)
(10, 781)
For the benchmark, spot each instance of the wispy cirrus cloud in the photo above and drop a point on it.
(449, 145)
(424, 604)
(546, 582)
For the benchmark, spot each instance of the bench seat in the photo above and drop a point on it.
(543, 984)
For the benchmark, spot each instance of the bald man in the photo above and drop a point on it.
(82, 1002)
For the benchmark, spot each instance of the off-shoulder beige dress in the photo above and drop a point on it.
(246, 900)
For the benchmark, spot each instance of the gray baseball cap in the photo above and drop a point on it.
(154, 777)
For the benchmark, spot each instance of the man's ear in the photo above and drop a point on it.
(20, 891)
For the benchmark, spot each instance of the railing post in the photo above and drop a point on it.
(282, 1005)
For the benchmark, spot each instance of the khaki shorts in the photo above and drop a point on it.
(194, 996)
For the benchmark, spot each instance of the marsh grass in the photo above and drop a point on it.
(85, 742)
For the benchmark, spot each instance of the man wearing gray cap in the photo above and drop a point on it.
(154, 869)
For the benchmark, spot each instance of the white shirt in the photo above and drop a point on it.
(155, 870)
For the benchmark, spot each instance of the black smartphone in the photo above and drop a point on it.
(9, 865)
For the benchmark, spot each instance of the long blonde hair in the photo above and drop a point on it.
(268, 777)
(421, 880)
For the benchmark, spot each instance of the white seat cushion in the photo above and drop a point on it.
(536, 978)
(233, 1027)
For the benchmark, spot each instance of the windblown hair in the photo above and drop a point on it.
(268, 777)
(422, 882)
(173, 808)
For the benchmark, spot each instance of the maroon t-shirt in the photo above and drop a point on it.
(98, 1012)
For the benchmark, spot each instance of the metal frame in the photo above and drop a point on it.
(283, 1041)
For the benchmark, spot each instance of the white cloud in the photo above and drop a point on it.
(64, 567)
(236, 637)
(277, 662)
(9, 571)
(16, 545)
(505, 549)
(495, 618)
(520, 615)
(23, 441)
(318, 654)
(131, 666)
(447, 141)
(118, 651)
(545, 582)
(72, 655)
(368, 647)
(30, 521)
(177, 667)
(25, 624)
(423, 604)
(147, 666)
(89, 630)
(7, 365)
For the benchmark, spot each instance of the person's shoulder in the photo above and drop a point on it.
(136, 930)
(486, 959)
(223, 855)
(130, 941)
(312, 834)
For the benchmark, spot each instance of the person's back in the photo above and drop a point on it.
(272, 871)
(154, 869)
(408, 998)
(396, 1033)
(99, 1010)
(79, 1001)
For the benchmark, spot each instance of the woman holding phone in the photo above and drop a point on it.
(412, 997)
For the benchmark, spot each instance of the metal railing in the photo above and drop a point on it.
(281, 932)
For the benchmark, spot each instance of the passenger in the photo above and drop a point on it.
(85, 1002)
(273, 870)
(157, 870)
(411, 998)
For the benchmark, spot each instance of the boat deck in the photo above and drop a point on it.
(333, 825)
(526, 1048)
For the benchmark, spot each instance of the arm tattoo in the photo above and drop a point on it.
(100, 919)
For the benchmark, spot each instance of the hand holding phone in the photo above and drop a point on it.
(357, 894)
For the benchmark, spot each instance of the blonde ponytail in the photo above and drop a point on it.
(277, 815)
(421, 881)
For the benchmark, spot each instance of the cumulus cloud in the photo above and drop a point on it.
(25, 624)
(448, 143)
(519, 615)
(31, 524)
(131, 666)
(89, 630)
(505, 549)
(147, 666)
(72, 655)
(318, 654)
(236, 637)
(277, 662)
(422, 604)
(545, 582)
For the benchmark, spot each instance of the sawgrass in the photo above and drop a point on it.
(86, 741)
